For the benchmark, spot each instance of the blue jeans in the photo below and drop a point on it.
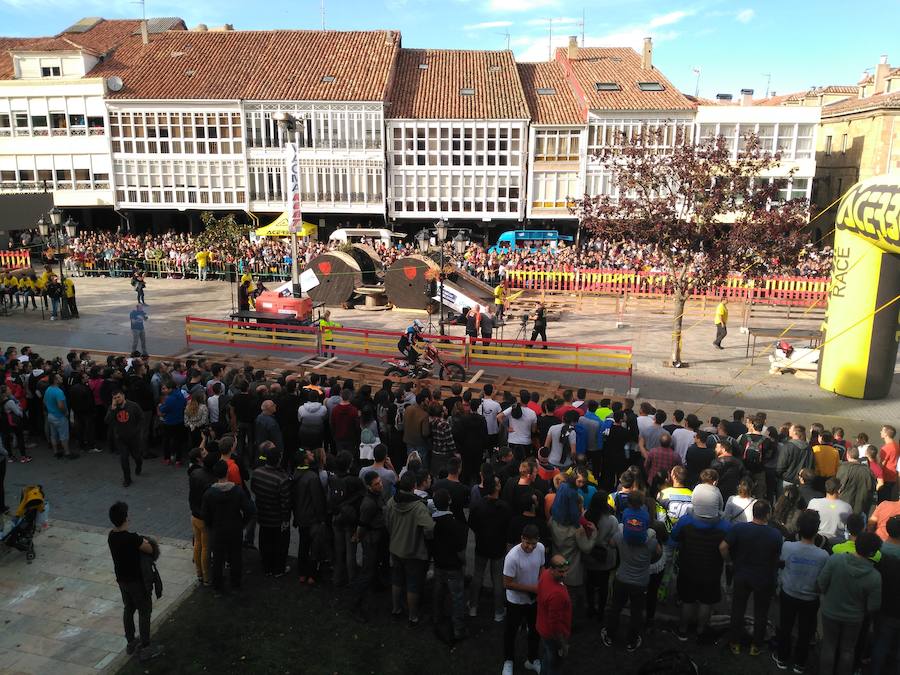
(423, 451)
(551, 661)
(57, 429)
(201, 273)
(452, 581)
(54, 307)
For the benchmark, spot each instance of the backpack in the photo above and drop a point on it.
(336, 491)
(669, 662)
(565, 442)
(581, 439)
(620, 499)
(635, 523)
(752, 452)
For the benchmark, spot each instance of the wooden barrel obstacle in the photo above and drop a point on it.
(340, 273)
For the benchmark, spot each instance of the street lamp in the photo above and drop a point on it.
(460, 243)
(285, 122)
(56, 232)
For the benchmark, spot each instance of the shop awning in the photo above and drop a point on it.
(279, 228)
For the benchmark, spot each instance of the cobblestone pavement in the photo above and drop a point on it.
(62, 614)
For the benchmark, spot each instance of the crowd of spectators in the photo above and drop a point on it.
(577, 507)
(177, 254)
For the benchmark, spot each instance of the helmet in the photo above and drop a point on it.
(418, 325)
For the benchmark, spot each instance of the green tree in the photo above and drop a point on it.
(224, 234)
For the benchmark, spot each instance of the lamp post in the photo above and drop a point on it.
(55, 231)
(285, 122)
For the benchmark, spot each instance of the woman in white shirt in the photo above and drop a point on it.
(739, 507)
(522, 423)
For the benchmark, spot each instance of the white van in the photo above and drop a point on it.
(356, 235)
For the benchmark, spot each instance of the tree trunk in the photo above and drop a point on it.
(677, 320)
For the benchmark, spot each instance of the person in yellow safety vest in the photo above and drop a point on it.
(69, 286)
(40, 286)
(202, 257)
(12, 289)
(325, 324)
(500, 299)
(721, 322)
(246, 276)
(27, 288)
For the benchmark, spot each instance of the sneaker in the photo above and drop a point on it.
(24, 459)
(605, 638)
(799, 670)
(287, 569)
(735, 648)
(681, 635)
(754, 650)
(507, 668)
(634, 645)
(94, 450)
(500, 617)
(132, 646)
(533, 665)
(473, 611)
(781, 665)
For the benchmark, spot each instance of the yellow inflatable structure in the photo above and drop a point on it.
(861, 325)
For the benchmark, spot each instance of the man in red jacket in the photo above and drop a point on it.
(554, 615)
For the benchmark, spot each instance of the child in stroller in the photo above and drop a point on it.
(21, 536)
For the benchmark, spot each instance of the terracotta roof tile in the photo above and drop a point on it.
(6, 63)
(559, 107)
(434, 92)
(852, 105)
(623, 67)
(275, 65)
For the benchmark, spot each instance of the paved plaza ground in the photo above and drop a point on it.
(62, 613)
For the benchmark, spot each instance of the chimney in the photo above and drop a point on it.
(572, 53)
(746, 97)
(145, 34)
(881, 73)
(723, 98)
(647, 54)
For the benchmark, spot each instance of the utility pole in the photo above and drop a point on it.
(768, 77)
(550, 39)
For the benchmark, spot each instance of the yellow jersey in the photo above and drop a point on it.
(721, 314)
(202, 258)
(499, 295)
(12, 282)
(70, 287)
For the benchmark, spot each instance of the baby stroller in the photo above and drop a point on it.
(21, 536)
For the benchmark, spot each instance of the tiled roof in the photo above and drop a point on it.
(273, 65)
(434, 92)
(853, 105)
(6, 62)
(102, 38)
(866, 79)
(623, 67)
(836, 89)
(558, 107)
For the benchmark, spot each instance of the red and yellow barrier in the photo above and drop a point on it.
(612, 360)
(13, 260)
(773, 290)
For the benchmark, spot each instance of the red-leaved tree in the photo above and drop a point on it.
(706, 211)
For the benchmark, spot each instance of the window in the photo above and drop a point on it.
(607, 86)
(327, 78)
(4, 120)
(804, 141)
(546, 91)
(76, 120)
(21, 120)
(467, 91)
(786, 139)
(58, 120)
(50, 71)
(39, 120)
(844, 144)
(95, 122)
(828, 145)
(766, 135)
(650, 86)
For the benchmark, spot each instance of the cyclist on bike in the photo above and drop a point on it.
(409, 340)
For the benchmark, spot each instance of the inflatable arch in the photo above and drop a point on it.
(860, 346)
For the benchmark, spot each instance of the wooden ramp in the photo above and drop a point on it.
(373, 375)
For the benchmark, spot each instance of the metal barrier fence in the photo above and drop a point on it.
(773, 290)
(613, 360)
(13, 260)
(165, 267)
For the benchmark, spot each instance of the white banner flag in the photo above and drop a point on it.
(295, 214)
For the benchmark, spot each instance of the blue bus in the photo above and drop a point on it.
(531, 240)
